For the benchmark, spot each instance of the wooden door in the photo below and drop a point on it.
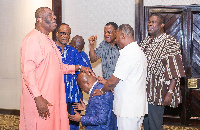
(195, 60)
(195, 46)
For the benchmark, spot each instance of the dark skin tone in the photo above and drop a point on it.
(109, 85)
(63, 36)
(122, 40)
(42, 104)
(168, 96)
(42, 107)
(109, 35)
(78, 43)
(85, 82)
(155, 28)
(76, 117)
(46, 23)
(79, 106)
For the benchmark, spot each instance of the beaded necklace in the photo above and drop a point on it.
(57, 52)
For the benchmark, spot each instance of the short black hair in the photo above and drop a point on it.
(40, 11)
(127, 29)
(162, 20)
(115, 26)
(61, 25)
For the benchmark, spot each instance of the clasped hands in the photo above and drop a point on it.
(77, 106)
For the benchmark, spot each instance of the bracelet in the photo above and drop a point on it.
(170, 91)
(79, 68)
(102, 91)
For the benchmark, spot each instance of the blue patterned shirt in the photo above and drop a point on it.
(99, 114)
(85, 60)
(71, 56)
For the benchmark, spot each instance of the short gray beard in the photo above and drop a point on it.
(62, 43)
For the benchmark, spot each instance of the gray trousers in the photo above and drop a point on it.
(154, 119)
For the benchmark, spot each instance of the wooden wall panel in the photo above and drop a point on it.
(57, 8)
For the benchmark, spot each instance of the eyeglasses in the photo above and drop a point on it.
(64, 33)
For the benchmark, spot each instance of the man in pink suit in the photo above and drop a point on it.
(43, 101)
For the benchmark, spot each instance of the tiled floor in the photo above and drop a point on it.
(11, 122)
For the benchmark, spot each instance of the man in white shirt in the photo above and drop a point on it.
(128, 81)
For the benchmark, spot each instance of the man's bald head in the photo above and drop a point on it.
(82, 78)
(45, 20)
(78, 43)
(85, 81)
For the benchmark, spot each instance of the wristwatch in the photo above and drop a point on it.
(170, 91)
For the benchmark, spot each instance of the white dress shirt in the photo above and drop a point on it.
(130, 93)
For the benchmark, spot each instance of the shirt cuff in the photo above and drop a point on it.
(68, 69)
(35, 91)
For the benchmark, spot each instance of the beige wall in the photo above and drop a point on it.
(16, 20)
(88, 17)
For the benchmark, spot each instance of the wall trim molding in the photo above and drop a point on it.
(10, 111)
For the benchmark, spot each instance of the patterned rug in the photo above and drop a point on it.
(11, 122)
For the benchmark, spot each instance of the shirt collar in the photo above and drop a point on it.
(126, 47)
(92, 87)
(159, 38)
(108, 45)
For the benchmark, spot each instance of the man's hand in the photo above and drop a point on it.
(79, 106)
(42, 107)
(112, 90)
(168, 99)
(168, 96)
(87, 70)
(76, 117)
(92, 39)
(97, 92)
(92, 53)
(101, 80)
